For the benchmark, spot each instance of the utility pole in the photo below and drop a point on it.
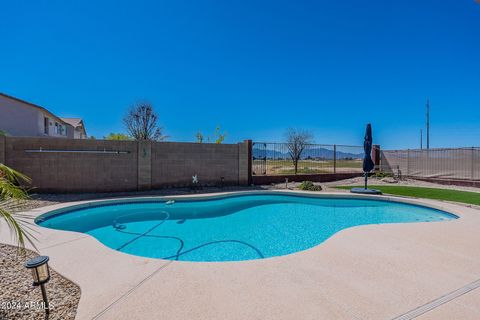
(421, 139)
(428, 124)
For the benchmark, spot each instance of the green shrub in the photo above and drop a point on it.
(381, 174)
(309, 186)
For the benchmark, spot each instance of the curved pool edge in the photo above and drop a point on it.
(68, 206)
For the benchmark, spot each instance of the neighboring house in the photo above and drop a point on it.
(22, 118)
(79, 131)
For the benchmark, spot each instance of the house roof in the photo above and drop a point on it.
(75, 122)
(33, 105)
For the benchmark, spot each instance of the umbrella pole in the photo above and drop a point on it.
(366, 177)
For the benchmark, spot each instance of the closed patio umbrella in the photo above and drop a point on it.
(368, 164)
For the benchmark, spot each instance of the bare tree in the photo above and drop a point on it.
(297, 140)
(141, 123)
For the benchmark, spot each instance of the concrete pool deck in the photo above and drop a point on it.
(387, 271)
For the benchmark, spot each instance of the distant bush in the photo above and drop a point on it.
(309, 186)
(218, 137)
(380, 175)
(118, 137)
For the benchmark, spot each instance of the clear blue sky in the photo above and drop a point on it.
(253, 67)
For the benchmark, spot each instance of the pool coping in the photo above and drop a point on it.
(60, 245)
(439, 205)
(202, 197)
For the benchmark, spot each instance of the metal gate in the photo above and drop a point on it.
(269, 158)
(259, 158)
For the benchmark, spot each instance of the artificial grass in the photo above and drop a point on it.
(428, 193)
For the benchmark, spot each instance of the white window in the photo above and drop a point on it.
(59, 129)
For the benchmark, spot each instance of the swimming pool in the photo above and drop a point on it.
(230, 228)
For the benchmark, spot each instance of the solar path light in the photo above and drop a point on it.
(41, 275)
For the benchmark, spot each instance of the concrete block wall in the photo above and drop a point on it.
(74, 171)
(138, 166)
(174, 164)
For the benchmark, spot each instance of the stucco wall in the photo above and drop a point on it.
(139, 166)
(17, 119)
(20, 119)
(51, 126)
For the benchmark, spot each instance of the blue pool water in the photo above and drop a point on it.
(229, 229)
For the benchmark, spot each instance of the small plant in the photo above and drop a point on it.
(309, 186)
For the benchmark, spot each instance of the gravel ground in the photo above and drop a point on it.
(20, 300)
(393, 182)
(330, 186)
(46, 199)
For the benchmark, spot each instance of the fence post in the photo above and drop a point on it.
(245, 162)
(334, 158)
(408, 162)
(250, 160)
(472, 163)
(144, 165)
(376, 157)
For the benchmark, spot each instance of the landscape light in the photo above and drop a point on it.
(40, 274)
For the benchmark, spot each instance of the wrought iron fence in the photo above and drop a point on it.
(445, 163)
(276, 159)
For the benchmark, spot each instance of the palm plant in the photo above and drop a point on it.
(11, 196)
